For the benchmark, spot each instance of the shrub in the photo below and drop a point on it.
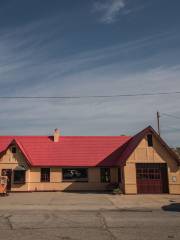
(117, 191)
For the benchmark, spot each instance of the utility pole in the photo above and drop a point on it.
(158, 123)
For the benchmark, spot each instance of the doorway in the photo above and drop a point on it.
(152, 178)
(8, 173)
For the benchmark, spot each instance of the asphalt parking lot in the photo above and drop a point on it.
(74, 216)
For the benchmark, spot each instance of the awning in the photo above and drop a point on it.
(20, 168)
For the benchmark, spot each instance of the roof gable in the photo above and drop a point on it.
(5, 145)
(133, 143)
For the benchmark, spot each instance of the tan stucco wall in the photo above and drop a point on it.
(57, 182)
(155, 154)
(11, 161)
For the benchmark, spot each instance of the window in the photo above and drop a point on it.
(19, 176)
(148, 171)
(45, 174)
(120, 177)
(13, 149)
(75, 174)
(150, 140)
(105, 175)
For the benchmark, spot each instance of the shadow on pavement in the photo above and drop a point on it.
(88, 192)
(173, 207)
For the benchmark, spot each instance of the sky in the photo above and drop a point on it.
(89, 47)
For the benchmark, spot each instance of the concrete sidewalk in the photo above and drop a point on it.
(86, 201)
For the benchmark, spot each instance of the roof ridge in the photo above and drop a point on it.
(75, 136)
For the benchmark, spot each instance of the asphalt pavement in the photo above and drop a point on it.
(76, 216)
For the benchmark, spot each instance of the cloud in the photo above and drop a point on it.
(109, 9)
(97, 116)
(26, 69)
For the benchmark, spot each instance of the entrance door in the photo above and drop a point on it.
(151, 178)
(8, 173)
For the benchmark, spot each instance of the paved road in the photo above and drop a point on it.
(85, 201)
(93, 224)
(74, 216)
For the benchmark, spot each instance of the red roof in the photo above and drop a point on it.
(84, 151)
(69, 151)
(135, 140)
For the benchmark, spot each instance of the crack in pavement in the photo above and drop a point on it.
(7, 218)
(104, 225)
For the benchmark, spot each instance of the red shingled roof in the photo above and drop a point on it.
(84, 151)
(135, 140)
(69, 151)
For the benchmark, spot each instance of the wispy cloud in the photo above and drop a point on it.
(27, 68)
(109, 9)
(96, 116)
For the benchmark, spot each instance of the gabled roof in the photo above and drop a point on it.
(135, 140)
(7, 142)
(177, 151)
(84, 151)
(69, 151)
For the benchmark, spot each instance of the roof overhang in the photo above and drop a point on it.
(134, 141)
(20, 168)
(14, 141)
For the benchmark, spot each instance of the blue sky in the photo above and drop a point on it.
(89, 47)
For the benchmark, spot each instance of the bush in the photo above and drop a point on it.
(117, 191)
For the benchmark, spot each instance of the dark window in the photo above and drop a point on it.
(19, 176)
(150, 140)
(45, 174)
(105, 175)
(148, 171)
(75, 174)
(13, 149)
(119, 175)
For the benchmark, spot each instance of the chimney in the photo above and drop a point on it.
(56, 135)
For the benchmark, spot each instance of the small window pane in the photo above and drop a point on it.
(150, 140)
(105, 175)
(45, 174)
(13, 149)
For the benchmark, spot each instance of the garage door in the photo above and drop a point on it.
(151, 178)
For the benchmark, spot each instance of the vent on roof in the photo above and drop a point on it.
(56, 135)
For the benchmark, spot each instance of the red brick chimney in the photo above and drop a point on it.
(56, 135)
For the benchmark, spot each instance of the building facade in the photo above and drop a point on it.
(139, 164)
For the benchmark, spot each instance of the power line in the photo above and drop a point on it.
(90, 96)
(169, 115)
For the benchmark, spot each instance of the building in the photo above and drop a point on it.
(177, 151)
(139, 164)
